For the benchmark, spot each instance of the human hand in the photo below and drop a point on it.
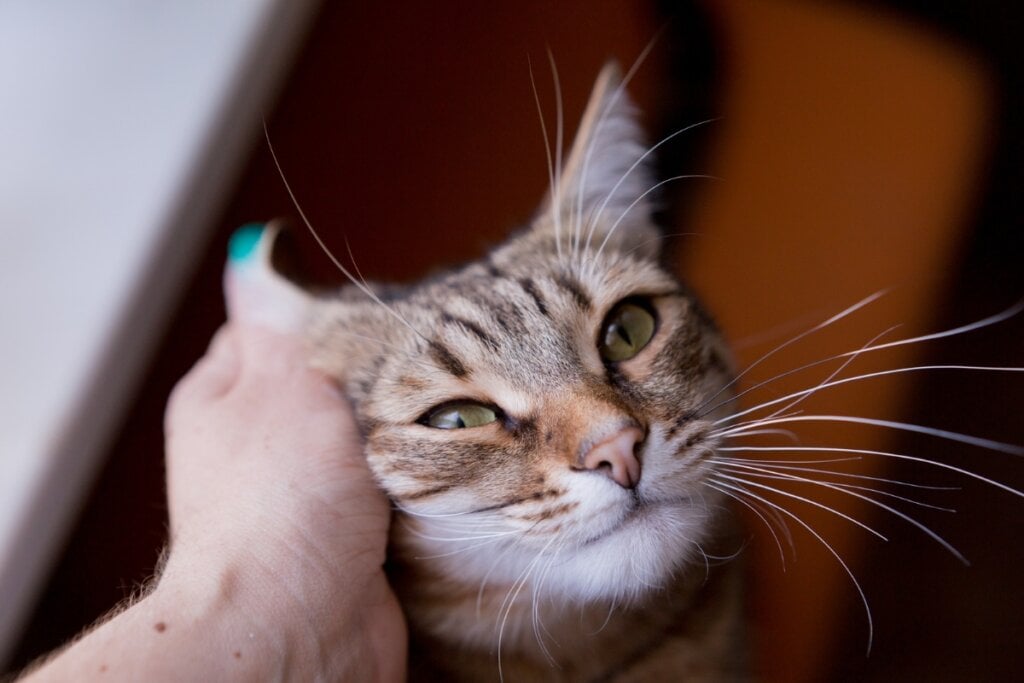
(271, 503)
(269, 493)
(278, 530)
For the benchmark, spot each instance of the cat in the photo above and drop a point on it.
(549, 422)
(542, 420)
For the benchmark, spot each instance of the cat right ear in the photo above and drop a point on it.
(602, 195)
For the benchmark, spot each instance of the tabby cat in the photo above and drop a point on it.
(542, 421)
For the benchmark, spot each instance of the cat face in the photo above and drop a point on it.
(544, 405)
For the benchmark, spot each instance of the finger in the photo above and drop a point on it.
(222, 344)
(213, 375)
(277, 367)
(256, 294)
(218, 369)
(268, 310)
(267, 356)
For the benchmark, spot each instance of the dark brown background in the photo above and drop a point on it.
(860, 145)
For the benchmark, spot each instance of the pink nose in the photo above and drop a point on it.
(614, 457)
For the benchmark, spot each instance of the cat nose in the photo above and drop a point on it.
(615, 457)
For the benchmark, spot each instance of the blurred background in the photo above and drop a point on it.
(859, 146)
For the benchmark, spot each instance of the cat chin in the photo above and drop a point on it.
(639, 556)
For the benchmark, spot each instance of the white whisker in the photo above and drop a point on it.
(802, 499)
(559, 140)
(474, 537)
(302, 214)
(636, 201)
(753, 339)
(970, 327)
(751, 506)
(608, 617)
(758, 471)
(431, 515)
(510, 598)
(755, 423)
(775, 464)
(857, 378)
(773, 461)
(701, 410)
(539, 630)
(660, 238)
(483, 581)
(552, 177)
(889, 424)
(775, 432)
(609, 106)
(963, 329)
(825, 382)
(884, 454)
(842, 563)
(596, 216)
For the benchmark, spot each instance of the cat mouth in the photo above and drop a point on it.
(637, 508)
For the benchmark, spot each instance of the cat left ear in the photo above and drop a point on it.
(604, 185)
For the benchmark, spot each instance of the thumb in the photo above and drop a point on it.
(267, 309)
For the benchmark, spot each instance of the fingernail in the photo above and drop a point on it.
(242, 245)
(255, 293)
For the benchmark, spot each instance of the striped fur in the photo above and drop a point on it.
(507, 555)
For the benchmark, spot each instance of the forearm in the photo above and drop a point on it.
(208, 628)
(172, 635)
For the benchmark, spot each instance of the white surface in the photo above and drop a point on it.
(120, 124)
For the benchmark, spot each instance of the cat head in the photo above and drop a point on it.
(545, 401)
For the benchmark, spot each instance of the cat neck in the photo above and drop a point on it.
(459, 630)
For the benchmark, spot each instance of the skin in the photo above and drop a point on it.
(278, 534)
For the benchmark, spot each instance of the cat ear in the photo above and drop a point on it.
(603, 189)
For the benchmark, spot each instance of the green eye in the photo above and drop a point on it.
(627, 330)
(461, 416)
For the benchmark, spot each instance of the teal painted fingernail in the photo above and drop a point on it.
(243, 243)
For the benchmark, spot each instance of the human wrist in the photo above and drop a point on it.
(279, 619)
(183, 628)
(217, 600)
(207, 606)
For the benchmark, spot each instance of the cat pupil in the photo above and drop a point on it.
(623, 334)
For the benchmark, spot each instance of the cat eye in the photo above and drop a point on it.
(460, 416)
(627, 329)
